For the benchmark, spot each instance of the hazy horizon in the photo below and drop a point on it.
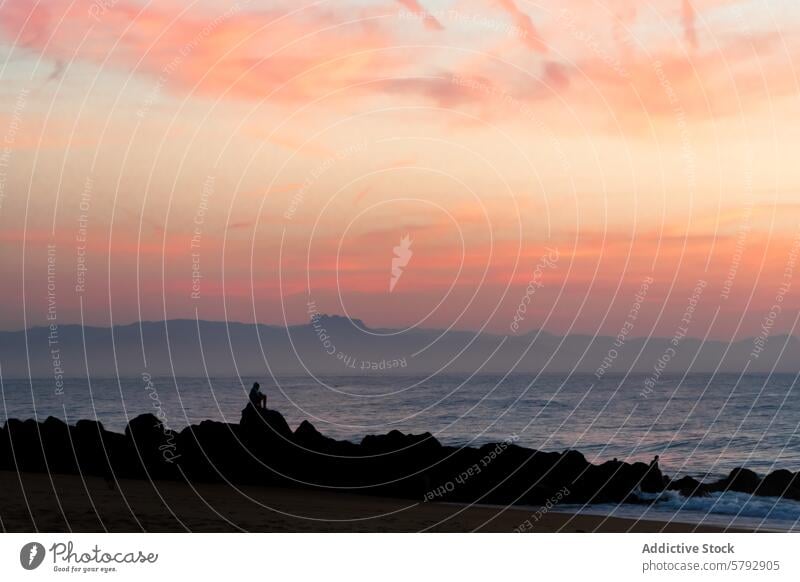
(366, 325)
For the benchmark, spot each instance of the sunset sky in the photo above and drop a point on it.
(231, 160)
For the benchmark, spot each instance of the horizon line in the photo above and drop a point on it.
(432, 329)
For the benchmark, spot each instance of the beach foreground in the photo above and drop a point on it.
(91, 504)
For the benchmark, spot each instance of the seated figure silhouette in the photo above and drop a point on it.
(257, 398)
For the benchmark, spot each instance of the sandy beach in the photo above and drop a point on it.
(91, 504)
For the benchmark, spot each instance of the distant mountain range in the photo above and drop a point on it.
(337, 345)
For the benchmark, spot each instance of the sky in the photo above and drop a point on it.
(565, 165)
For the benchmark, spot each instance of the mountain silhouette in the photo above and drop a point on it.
(339, 345)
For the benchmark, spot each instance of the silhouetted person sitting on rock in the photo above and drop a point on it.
(257, 398)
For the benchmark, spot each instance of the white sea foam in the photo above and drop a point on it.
(732, 503)
(727, 509)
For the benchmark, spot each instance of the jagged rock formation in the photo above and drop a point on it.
(780, 483)
(262, 449)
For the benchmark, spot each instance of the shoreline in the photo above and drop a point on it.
(263, 453)
(70, 503)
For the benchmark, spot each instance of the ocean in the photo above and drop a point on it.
(701, 425)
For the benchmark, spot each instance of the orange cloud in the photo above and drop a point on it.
(431, 22)
(298, 57)
(662, 86)
(242, 54)
(361, 194)
(530, 34)
(688, 19)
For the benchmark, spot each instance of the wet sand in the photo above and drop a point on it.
(56, 503)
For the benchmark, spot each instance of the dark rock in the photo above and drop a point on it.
(95, 447)
(58, 446)
(780, 483)
(653, 480)
(213, 451)
(269, 422)
(688, 487)
(307, 435)
(396, 441)
(739, 479)
(25, 440)
(153, 448)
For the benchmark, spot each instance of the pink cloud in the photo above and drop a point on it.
(530, 34)
(298, 57)
(688, 19)
(634, 92)
(431, 22)
(624, 17)
(242, 54)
